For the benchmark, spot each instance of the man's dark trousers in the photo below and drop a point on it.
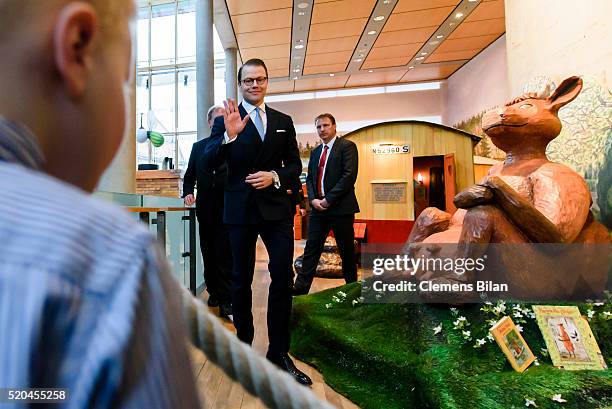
(278, 239)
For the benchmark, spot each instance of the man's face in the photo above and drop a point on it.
(325, 129)
(255, 93)
(216, 113)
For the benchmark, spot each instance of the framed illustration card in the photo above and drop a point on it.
(512, 344)
(568, 337)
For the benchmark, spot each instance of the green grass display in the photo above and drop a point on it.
(387, 356)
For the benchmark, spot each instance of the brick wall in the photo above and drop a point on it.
(158, 182)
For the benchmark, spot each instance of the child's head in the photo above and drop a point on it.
(64, 68)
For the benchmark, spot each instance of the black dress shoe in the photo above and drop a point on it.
(212, 301)
(286, 364)
(300, 288)
(225, 311)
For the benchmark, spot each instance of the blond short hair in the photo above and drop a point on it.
(14, 12)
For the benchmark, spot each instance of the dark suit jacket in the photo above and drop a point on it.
(210, 180)
(339, 179)
(248, 154)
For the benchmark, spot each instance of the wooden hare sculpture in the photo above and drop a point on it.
(525, 199)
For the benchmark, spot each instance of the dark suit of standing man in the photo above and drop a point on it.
(260, 147)
(332, 172)
(214, 237)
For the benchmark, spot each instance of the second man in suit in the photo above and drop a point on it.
(332, 172)
(260, 147)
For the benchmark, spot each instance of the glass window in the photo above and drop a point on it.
(185, 142)
(187, 101)
(143, 36)
(186, 44)
(163, 34)
(163, 101)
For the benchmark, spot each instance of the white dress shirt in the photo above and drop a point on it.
(329, 145)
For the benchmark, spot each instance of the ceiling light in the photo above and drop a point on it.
(301, 13)
(459, 15)
(473, 1)
(302, 5)
(386, 1)
(423, 53)
(295, 78)
(379, 18)
(358, 60)
(440, 36)
(296, 70)
(297, 57)
(419, 58)
(411, 67)
(372, 32)
(434, 42)
(370, 70)
(299, 46)
(361, 55)
(362, 50)
(451, 24)
(332, 74)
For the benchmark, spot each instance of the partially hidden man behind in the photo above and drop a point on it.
(214, 237)
(260, 148)
(332, 172)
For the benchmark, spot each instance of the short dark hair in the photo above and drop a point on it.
(328, 116)
(256, 62)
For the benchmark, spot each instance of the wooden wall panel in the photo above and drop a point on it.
(424, 140)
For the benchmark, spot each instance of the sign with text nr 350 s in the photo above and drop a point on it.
(390, 149)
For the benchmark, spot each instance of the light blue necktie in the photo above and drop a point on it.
(259, 124)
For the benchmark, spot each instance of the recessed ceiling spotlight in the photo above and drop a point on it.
(434, 42)
(358, 60)
(459, 15)
(361, 55)
(423, 53)
(299, 46)
(473, 1)
(451, 24)
(296, 70)
(419, 58)
(411, 67)
(379, 18)
(297, 57)
(361, 50)
(301, 13)
(372, 32)
(295, 78)
(370, 70)
(302, 5)
(332, 74)
(386, 2)
(440, 36)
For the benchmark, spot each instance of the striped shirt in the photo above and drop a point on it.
(86, 300)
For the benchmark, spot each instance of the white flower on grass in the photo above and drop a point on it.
(544, 351)
(466, 334)
(342, 294)
(597, 304)
(460, 322)
(328, 305)
(516, 307)
(437, 329)
(518, 314)
(354, 302)
(335, 299)
(536, 362)
(590, 314)
(558, 398)
(480, 342)
(499, 309)
(607, 314)
(519, 328)
(492, 322)
(488, 303)
(532, 315)
(490, 338)
(454, 311)
(530, 402)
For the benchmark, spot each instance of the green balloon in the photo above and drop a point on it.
(156, 138)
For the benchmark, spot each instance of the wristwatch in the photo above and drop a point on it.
(277, 183)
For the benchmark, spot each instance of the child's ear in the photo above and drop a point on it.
(73, 45)
(565, 93)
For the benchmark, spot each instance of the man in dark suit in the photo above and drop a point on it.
(214, 237)
(260, 148)
(332, 172)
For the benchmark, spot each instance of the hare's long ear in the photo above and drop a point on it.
(565, 93)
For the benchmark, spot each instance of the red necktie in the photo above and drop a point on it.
(320, 173)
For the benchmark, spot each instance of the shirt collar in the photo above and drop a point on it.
(331, 143)
(19, 145)
(248, 107)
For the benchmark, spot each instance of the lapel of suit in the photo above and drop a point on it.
(251, 133)
(333, 150)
